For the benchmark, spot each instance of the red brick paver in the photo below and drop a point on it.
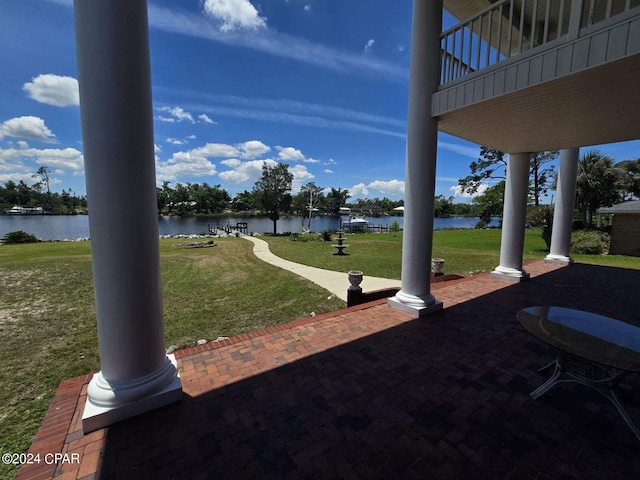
(370, 392)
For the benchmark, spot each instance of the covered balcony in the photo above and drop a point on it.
(533, 75)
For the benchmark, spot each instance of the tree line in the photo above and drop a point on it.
(21, 194)
(601, 182)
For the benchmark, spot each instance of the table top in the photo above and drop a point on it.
(588, 335)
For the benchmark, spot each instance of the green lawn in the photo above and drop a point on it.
(380, 254)
(47, 315)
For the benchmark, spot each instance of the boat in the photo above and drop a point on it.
(16, 210)
(354, 223)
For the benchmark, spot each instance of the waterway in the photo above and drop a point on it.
(71, 227)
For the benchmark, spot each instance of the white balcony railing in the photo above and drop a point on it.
(511, 27)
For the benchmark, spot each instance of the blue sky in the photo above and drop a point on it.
(318, 84)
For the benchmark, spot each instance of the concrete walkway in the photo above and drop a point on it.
(336, 282)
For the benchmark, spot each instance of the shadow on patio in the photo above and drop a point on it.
(370, 392)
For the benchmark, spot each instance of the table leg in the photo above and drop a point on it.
(563, 373)
(551, 381)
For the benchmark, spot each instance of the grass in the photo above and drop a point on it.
(47, 315)
(466, 252)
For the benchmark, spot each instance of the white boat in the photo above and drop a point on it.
(353, 222)
(16, 210)
(357, 221)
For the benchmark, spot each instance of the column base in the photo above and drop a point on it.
(558, 259)
(511, 274)
(415, 305)
(161, 389)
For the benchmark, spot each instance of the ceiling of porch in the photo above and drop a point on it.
(597, 106)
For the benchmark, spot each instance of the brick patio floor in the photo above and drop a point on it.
(370, 392)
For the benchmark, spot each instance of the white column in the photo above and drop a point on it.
(420, 173)
(563, 210)
(514, 218)
(117, 130)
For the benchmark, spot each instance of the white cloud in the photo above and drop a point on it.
(328, 171)
(191, 137)
(29, 127)
(289, 154)
(196, 163)
(368, 45)
(457, 191)
(53, 89)
(300, 175)
(157, 148)
(319, 116)
(358, 190)
(464, 150)
(184, 164)
(231, 162)
(390, 187)
(234, 14)
(205, 118)
(268, 41)
(273, 42)
(252, 149)
(215, 150)
(16, 177)
(178, 114)
(67, 159)
(176, 141)
(307, 8)
(246, 172)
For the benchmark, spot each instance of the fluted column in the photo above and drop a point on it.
(117, 130)
(420, 172)
(514, 218)
(563, 211)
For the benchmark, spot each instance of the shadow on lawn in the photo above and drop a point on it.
(439, 398)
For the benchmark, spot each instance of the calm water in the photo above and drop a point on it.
(58, 227)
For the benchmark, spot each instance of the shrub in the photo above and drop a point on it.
(539, 216)
(326, 236)
(394, 227)
(305, 237)
(589, 242)
(542, 216)
(19, 237)
(481, 224)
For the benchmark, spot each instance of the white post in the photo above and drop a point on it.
(514, 218)
(117, 130)
(563, 210)
(420, 173)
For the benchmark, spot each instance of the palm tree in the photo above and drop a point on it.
(596, 184)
